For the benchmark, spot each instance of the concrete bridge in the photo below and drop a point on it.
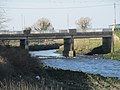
(68, 37)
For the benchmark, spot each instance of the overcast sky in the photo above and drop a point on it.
(24, 13)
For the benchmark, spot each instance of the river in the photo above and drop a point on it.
(89, 64)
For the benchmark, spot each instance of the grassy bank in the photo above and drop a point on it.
(44, 47)
(83, 81)
(18, 71)
(115, 54)
(84, 46)
(17, 62)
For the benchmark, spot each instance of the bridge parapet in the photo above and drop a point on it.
(57, 35)
(60, 31)
(94, 30)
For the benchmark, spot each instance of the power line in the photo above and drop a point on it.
(79, 1)
(61, 7)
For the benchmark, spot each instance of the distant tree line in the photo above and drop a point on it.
(44, 25)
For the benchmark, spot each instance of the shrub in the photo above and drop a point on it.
(18, 62)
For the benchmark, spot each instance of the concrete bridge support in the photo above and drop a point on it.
(69, 47)
(107, 44)
(24, 44)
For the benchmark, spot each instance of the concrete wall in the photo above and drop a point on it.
(107, 44)
(24, 44)
(69, 47)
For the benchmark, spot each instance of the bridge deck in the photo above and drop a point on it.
(56, 35)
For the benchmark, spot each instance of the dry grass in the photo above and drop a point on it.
(83, 46)
(23, 85)
(17, 62)
(20, 85)
(18, 71)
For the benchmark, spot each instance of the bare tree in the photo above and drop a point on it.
(43, 25)
(83, 23)
(3, 20)
(27, 30)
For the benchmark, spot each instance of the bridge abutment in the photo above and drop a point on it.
(69, 47)
(107, 44)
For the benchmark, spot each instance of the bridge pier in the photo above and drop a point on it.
(69, 47)
(107, 44)
(24, 44)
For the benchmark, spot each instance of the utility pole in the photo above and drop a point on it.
(114, 26)
(114, 15)
(23, 22)
(13, 28)
(68, 21)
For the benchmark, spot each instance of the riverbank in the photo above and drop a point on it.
(73, 80)
(115, 54)
(20, 71)
(17, 62)
(44, 47)
(93, 46)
